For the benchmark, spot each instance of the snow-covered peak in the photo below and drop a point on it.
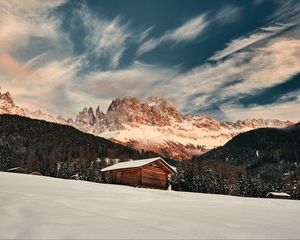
(158, 101)
(86, 116)
(6, 103)
(7, 106)
(7, 97)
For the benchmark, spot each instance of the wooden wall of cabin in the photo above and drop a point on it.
(113, 177)
(154, 176)
(131, 177)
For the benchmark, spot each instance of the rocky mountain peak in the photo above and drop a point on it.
(6, 97)
(99, 114)
(154, 111)
(158, 101)
(163, 105)
(86, 116)
(7, 104)
(123, 104)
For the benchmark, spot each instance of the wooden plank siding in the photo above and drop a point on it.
(153, 176)
(131, 177)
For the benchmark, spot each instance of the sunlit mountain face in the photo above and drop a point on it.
(230, 59)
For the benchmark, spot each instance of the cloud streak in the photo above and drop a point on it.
(242, 74)
(186, 32)
(244, 42)
(227, 14)
(19, 20)
(106, 39)
(192, 28)
(132, 81)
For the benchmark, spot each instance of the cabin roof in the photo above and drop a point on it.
(15, 168)
(137, 164)
(281, 194)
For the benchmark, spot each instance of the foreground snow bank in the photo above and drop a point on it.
(43, 207)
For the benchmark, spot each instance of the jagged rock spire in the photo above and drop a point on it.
(99, 114)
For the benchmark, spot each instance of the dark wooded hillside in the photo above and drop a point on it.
(56, 150)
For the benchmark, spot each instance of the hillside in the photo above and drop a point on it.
(260, 146)
(251, 164)
(65, 209)
(57, 150)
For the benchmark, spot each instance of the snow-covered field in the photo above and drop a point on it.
(43, 207)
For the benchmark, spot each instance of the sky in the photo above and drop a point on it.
(232, 59)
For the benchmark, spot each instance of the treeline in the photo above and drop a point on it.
(217, 177)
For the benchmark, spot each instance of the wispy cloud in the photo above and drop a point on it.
(20, 21)
(188, 31)
(246, 41)
(38, 88)
(280, 111)
(106, 39)
(12, 67)
(145, 34)
(193, 28)
(242, 74)
(138, 80)
(148, 46)
(227, 14)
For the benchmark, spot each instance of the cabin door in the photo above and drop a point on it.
(118, 178)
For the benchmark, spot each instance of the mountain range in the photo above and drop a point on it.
(152, 125)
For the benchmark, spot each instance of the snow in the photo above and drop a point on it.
(130, 164)
(279, 194)
(15, 168)
(43, 208)
(134, 164)
(154, 135)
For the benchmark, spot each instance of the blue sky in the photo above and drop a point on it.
(230, 59)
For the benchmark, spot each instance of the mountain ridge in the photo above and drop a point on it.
(152, 125)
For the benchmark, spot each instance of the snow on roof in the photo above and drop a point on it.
(279, 194)
(135, 164)
(15, 168)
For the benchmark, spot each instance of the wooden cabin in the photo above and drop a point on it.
(278, 195)
(151, 173)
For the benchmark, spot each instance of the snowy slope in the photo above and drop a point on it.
(43, 207)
